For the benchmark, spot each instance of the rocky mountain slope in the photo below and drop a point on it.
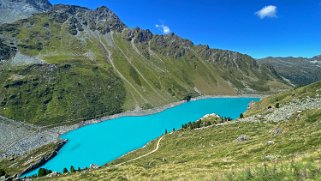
(13, 10)
(300, 71)
(72, 64)
(278, 139)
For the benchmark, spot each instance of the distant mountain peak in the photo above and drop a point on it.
(299, 70)
(13, 10)
(316, 58)
(39, 4)
(72, 9)
(103, 8)
(101, 19)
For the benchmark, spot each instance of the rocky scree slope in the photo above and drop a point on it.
(72, 64)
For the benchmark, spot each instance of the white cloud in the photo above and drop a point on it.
(267, 12)
(163, 28)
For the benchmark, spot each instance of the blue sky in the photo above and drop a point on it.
(281, 28)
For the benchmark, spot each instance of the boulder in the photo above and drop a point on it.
(277, 131)
(242, 138)
(53, 174)
(270, 143)
(93, 166)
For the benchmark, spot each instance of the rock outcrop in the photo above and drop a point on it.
(101, 19)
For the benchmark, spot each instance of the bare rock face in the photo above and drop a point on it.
(101, 19)
(13, 10)
(139, 35)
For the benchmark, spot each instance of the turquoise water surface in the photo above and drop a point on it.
(106, 141)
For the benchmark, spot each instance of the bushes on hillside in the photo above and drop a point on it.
(188, 98)
(189, 95)
(43, 172)
(201, 123)
(72, 169)
(241, 115)
(2, 172)
(147, 106)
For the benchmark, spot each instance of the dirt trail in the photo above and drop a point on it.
(142, 156)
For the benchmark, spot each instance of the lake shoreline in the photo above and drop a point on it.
(21, 147)
(60, 130)
(155, 110)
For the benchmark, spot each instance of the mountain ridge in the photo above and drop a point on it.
(299, 70)
(95, 46)
(316, 57)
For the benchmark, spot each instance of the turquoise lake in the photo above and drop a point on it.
(106, 141)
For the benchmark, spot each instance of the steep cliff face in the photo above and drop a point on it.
(13, 10)
(111, 67)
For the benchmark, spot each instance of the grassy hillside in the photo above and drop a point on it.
(93, 65)
(59, 94)
(238, 150)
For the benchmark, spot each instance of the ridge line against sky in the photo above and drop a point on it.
(259, 28)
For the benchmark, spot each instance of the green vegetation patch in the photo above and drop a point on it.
(60, 93)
